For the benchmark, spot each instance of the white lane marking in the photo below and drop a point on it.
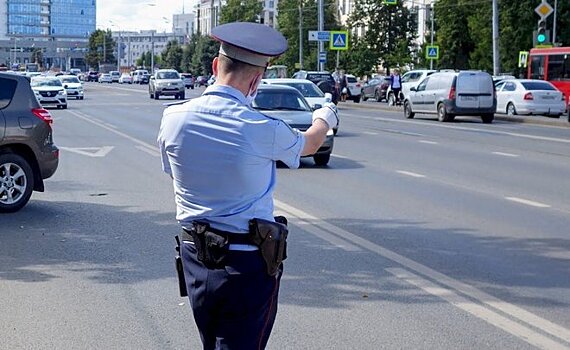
(468, 290)
(94, 152)
(525, 333)
(370, 133)
(528, 202)
(339, 156)
(470, 129)
(147, 150)
(428, 142)
(409, 173)
(506, 154)
(110, 125)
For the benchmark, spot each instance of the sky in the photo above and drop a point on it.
(135, 15)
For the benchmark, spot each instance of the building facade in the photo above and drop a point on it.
(59, 28)
(134, 44)
(183, 24)
(208, 14)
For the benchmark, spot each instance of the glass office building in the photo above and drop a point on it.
(51, 18)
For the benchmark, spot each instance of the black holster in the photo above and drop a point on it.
(211, 247)
(180, 270)
(271, 238)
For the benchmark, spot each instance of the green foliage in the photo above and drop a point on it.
(241, 11)
(172, 56)
(206, 49)
(453, 37)
(101, 47)
(389, 31)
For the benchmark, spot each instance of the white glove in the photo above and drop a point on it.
(327, 113)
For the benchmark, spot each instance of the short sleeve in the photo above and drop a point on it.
(288, 144)
(162, 146)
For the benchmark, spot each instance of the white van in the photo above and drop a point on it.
(449, 94)
(139, 76)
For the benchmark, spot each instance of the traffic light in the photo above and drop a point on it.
(541, 33)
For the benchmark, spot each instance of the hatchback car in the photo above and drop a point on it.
(188, 80)
(314, 96)
(28, 155)
(49, 91)
(375, 88)
(529, 96)
(287, 103)
(166, 82)
(449, 94)
(72, 86)
(126, 78)
(115, 76)
(105, 78)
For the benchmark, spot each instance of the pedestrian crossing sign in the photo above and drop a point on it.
(339, 40)
(432, 52)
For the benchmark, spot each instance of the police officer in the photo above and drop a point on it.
(221, 155)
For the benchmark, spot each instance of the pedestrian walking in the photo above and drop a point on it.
(221, 155)
(343, 86)
(396, 85)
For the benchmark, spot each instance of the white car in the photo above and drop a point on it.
(409, 79)
(529, 96)
(105, 78)
(314, 96)
(49, 91)
(354, 88)
(125, 79)
(73, 87)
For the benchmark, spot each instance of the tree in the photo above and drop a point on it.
(389, 31)
(241, 11)
(187, 53)
(206, 50)
(172, 56)
(453, 37)
(101, 46)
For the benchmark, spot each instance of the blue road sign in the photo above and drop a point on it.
(322, 57)
(339, 40)
(432, 52)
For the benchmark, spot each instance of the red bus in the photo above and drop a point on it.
(551, 64)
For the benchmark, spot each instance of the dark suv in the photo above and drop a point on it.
(93, 76)
(27, 152)
(324, 81)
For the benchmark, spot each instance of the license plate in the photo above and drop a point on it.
(548, 97)
(468, 98)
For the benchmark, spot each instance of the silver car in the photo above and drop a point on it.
(49, 91)
(529, 96)
(73, 87)
(166, 82)
(287, 103)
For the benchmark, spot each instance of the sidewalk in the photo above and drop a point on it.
(563, 121)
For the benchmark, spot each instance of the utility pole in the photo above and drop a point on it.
(431, 32)
(554, 26)
(301, 33)
(119, 53)
(321, 28)
(152, 52)
(496, 60)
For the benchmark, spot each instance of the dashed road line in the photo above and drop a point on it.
(506, 154)
(339, 156)
(528, 202)
(370, 133)
(428, 142)
(409, 173)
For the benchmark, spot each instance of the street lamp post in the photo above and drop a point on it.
(118, 45)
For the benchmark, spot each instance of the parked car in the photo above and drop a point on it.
(375, 88)
(409, 79)
(49, 91)
(140, 76)
(74, 71)
(324, 81)
(115, 76)
(93, 76)
(188, 79)
(201, 81)
(448, 94)
(72, 86)
(125, 79)
(498, 78)
(28, 154)
(314, 96)
(353, 88)
(529, 96)
(166, 82)
(287, 103)
(105, 78)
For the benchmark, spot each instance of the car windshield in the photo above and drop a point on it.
(167, 75)
(307, 90)
(45, 82)
(537, 85)
(279, 100)
(351, 79)
(319, 77)
(70, 80)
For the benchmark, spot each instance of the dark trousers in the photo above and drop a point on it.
(234, 307)
(397, 94)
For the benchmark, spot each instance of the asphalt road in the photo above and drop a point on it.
(418, 235)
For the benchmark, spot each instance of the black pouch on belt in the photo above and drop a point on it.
(212, 248)
(271, 238)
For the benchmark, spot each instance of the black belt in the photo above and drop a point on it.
(233, 238)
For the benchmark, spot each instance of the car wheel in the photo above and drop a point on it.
(82, 97)
(192, 87)
(511, 110)
(487, 118)
(377, 96)
(322, 159)
(182, 95)
(356, 99)
(555, 115)
(16, 182)
(64, 107)
(156, 95)
(408, 110)
(391, 100)
(442, 114)
(364, 98)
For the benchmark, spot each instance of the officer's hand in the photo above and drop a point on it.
(328, 113)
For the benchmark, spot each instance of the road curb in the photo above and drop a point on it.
(538, 120)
